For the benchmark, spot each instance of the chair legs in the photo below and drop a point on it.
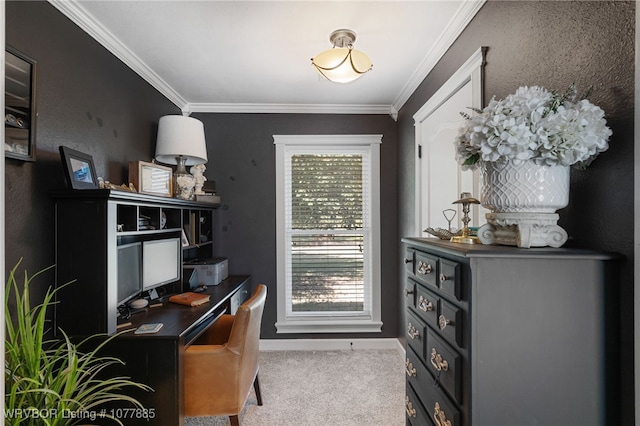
(235, 420)
(256, 387)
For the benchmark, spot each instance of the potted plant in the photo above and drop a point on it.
(55, 381)
(524, 145)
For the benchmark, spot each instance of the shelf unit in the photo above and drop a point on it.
(89, 227)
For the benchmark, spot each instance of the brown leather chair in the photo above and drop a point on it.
(221, 365)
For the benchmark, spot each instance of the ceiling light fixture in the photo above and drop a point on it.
(342, 63)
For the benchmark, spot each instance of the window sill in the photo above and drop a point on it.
(323, 326)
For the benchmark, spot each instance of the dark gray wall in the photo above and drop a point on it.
(242, 162)
(88, 100)
(554, 44)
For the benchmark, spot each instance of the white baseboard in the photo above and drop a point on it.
(329, 344)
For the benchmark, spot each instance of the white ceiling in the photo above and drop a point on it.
(254, 56)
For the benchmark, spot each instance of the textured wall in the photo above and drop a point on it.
(554, 44)
(88, 100)
(242, 162)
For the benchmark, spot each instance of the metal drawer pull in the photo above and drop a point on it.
(408, 407)
(409, 368)
(438, 362)
(425, 304)
(440, 417)
(443, 278)
(443, 322)
(408, 292)
(424, 268)
(413, 332)
(408, 260)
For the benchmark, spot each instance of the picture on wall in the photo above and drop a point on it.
(20, 106)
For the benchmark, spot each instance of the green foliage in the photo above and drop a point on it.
(473, 159)
(326, 191)
(52, 381)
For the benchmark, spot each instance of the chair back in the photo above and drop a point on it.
(244, 339)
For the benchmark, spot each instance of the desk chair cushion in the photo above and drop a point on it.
(221, 366)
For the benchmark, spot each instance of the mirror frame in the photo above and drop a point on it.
(27, 113)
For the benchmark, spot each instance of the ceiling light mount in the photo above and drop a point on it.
(342, 63)
(342, 38)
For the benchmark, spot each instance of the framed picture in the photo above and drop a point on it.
(20, 106)
(79, 169)
(151, 178)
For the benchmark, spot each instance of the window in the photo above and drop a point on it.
(328, 233)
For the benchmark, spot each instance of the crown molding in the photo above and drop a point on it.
(292, 108)
(79, 15)
(458, 23)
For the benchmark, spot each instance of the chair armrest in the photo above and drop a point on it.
(204, 362)
(217, 333)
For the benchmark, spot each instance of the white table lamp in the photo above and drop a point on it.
(181, 141)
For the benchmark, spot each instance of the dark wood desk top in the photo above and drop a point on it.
(180, 321)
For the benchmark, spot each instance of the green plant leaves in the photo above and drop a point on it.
(50, 381)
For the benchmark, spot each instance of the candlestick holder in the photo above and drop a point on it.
(466, 238)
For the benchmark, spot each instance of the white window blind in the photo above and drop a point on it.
(326, 241)
(328, 232)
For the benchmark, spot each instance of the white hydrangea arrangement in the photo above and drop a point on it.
(534, 125)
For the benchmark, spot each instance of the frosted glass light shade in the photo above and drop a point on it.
(181, 136)
(341, 64)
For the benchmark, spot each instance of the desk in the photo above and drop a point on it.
(157, 359)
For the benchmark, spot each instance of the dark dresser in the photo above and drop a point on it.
(502, 336)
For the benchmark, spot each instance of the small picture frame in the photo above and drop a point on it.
(185, 240)
(79, 169)
(151, 178)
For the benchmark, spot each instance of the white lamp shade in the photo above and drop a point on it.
(179, 135)
(341, 64)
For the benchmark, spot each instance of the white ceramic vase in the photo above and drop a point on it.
(526, 187)
(523, 200)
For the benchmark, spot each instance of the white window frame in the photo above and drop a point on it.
(339, 323)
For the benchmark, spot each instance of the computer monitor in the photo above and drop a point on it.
(160, 262)
(129, 272)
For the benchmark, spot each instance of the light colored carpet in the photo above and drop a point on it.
(318, 388)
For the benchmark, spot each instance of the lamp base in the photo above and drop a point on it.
(183, 182)
(184, 186)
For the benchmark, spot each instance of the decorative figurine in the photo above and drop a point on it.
(198, 173)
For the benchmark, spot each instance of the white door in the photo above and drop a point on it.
(439, 178)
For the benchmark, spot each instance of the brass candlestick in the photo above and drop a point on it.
(466, 238)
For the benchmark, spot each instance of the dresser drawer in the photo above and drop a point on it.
(409, 262)
(426, 305)
(416, 372)
(415, 412)
(410, 293)
(450, 322)
(439, 407)
(416, 334)
(449, 278)
(426, 268)
(445, 364)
